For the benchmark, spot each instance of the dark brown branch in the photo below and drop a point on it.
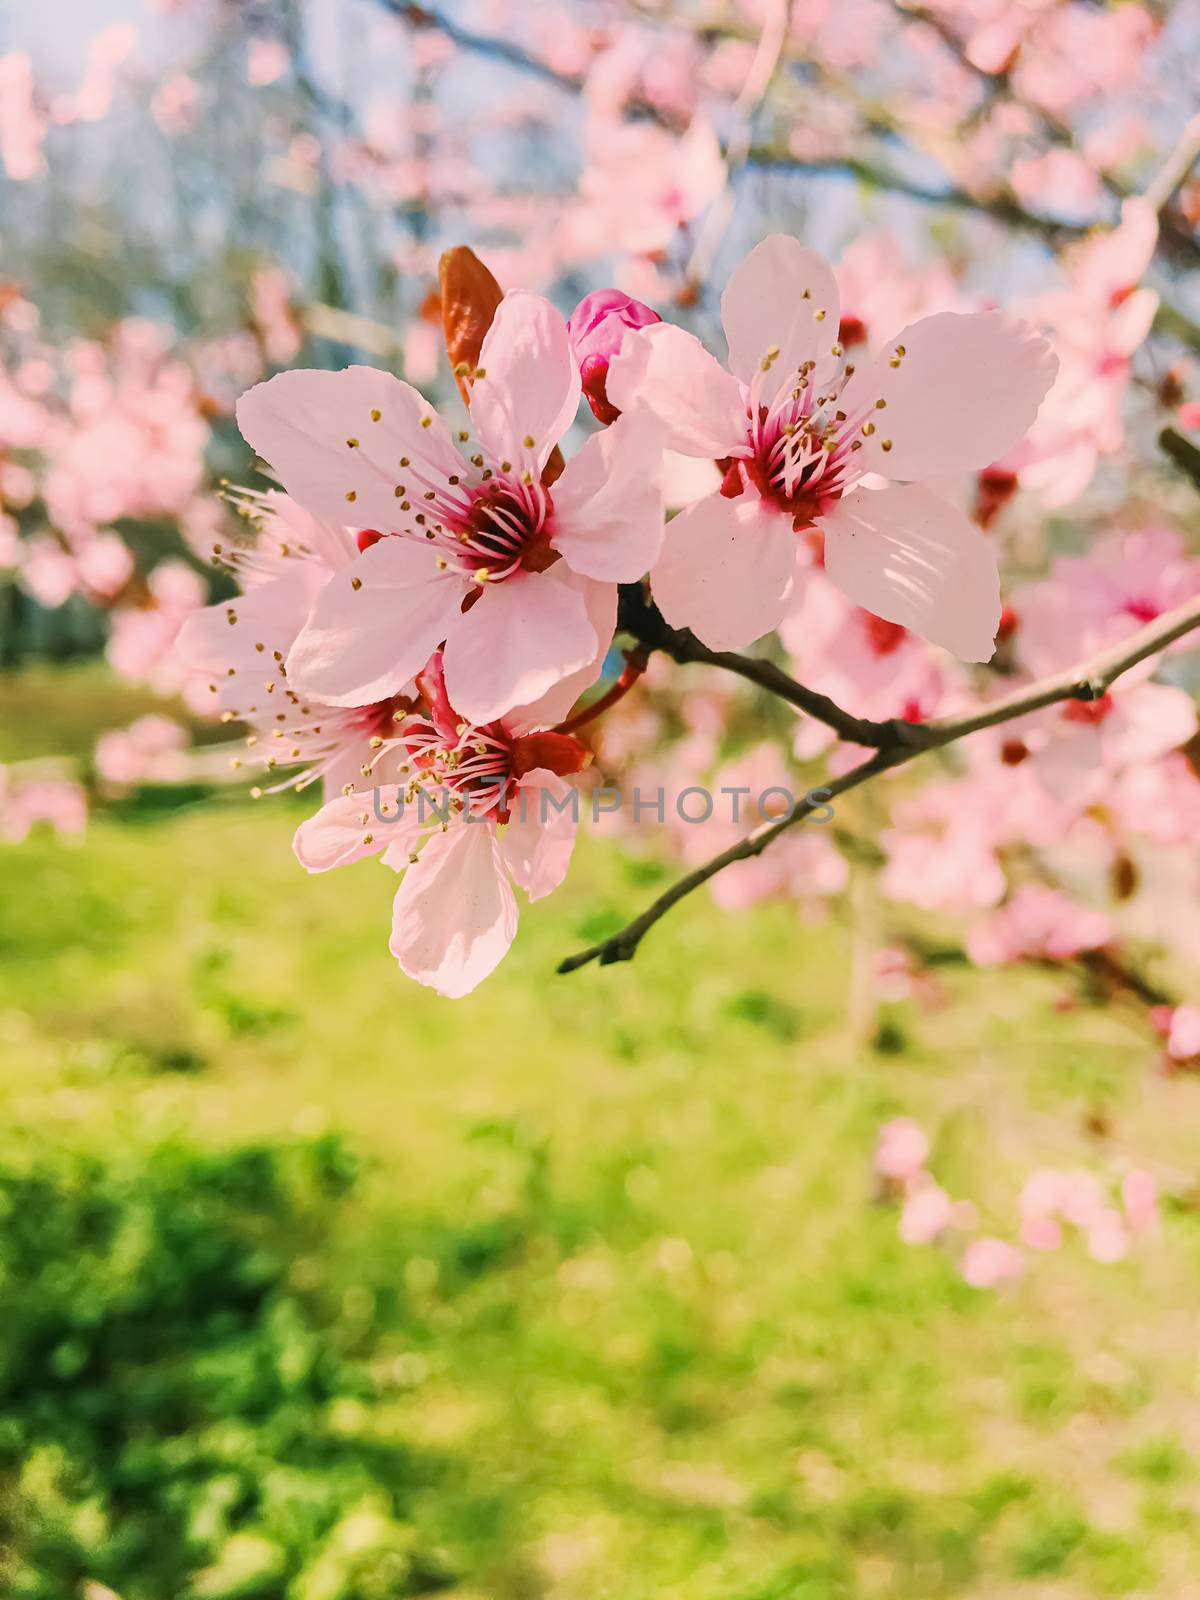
(640, 617)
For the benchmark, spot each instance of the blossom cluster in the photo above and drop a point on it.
(423, 604)
(1052, 1202)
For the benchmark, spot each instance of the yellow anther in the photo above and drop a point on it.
(375, 413)
(351, 495)
(356, 583)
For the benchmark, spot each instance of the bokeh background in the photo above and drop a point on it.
(314, 1286)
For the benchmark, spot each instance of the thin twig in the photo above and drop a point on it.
(1087, 681)
(640, 617)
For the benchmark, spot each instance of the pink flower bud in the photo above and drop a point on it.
(597, 327)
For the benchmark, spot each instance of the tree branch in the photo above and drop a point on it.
(641, 618)
(1087, 681)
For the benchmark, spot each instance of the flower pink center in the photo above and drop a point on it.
(480, 766)
(1143, 609)
(486, 528)
(506, 531)
(802, 443)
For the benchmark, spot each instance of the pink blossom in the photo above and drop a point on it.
(1183, 1040)
(539, 567)
(149, 750)
(640, 183)
(469, 820)
(928, 1211)
(597, 327)
(58, 804)
(1107, 1239)
(240, 648)
(1124, 581)
(1041, 1233)
(902, 1149)
(1139, 1195)
(141, 640)
(1082, 744)
(22, 124)
(108, 51)
(1096, 322)
(873, 668)
(798, 432)
(987, 1263)
(266, 62)
(271, 300)
(1037, 922)
(176, 103)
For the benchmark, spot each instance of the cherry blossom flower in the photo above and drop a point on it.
(902, 1149)
(926, 1214)
(1139, 1196)
(479, 809)
(54, 802)
(241, 647)
(1038, 921)
(987, 1263)
(150, 749)
(516, 578)
(872, 668)
(799, 431)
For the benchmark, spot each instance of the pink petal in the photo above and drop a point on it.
(608, 512)
(346, 829)
(455, 914)
(362, 645)
(771, 303)
(726, 570)
(520, 637)
(241, 654)
(301, 423)
(912, 558)
(531, 390)
(966, 389)
(538, 842)
(672, 375)
(553, 706)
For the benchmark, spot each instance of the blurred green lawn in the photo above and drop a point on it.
(317, 1286)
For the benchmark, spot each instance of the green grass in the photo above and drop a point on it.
(600, 1301)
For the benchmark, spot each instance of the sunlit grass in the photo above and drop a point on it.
(613, 1261)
